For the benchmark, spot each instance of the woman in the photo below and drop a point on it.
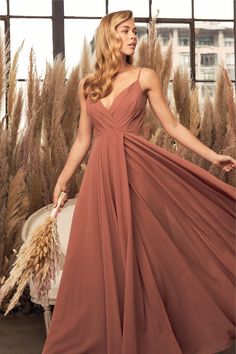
(150, 259)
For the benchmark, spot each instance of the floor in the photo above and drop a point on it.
(22, 334)
(25, 334)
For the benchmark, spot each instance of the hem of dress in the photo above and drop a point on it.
(222, 348)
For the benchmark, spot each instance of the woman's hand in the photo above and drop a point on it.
(226, 162)
(57, 190)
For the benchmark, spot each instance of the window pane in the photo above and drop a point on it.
(3, 7)
(75, 32)
(230, 66)
(141, 29)
(89, 8)
(213, 46)
(37, 34)
(139, 8)
(31, 8)
(180, 35)
(170, 8)
(213, 9)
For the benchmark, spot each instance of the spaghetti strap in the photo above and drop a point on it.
(139, 73)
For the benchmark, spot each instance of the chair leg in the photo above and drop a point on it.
(47, 316)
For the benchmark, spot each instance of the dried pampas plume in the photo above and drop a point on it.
(38, 259)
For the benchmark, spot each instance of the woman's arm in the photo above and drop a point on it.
(79, 148)
(152, 84)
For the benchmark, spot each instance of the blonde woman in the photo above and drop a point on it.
(150, 259)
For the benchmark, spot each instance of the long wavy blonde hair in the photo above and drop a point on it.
(108, 56)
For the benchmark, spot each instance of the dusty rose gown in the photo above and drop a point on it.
(150, 260)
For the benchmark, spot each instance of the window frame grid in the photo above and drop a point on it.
(58, 18)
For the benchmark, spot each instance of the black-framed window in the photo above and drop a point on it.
(202, 29)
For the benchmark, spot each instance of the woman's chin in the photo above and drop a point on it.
(129, 52)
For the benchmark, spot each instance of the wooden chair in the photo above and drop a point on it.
(64, 219)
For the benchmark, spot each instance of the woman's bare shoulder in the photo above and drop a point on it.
(149, 78)
(148, 73)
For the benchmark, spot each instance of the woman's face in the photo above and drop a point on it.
(128, 33)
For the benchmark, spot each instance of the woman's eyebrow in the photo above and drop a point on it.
(128, 27)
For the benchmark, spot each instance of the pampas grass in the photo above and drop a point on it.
(220, 110)
(11, 81)
(151, 55)
(38, 260)
(85, 62)
(34, 155)
(4, 173)
(4, 65)
(213, 123)
(17, 208)
(181, 91)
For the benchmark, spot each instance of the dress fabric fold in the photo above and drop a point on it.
(150, 260)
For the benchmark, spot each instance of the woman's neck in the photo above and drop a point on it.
(123, 64)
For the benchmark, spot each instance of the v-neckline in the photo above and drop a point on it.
(114, 100)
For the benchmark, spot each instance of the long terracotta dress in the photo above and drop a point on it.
(149, 267)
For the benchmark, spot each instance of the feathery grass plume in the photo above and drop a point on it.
(150, 55)
(85, 62)
(70, 119)
(141, 59)
(195, 119)
(58, 87)
(155, 137)
(14, 110)
(4, 65)
(181, 90)
(52, 93)
(17, 209)
(32, 135)
(182, 96)
(167, 67)
(11, 81)
(13, 129)
(47, 99)
(44, 174)
(158, 61)
(146, 58)
(59, 148)
(4, 174)
(207, 131)
(71, 114)
(30, 86)
(230, 135)
(220, 110)
(38, 260)
(148, 47)
(153, 47)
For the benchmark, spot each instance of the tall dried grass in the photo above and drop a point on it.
(150, 54)
(34, 156)
(212, 120)
(4, 65)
